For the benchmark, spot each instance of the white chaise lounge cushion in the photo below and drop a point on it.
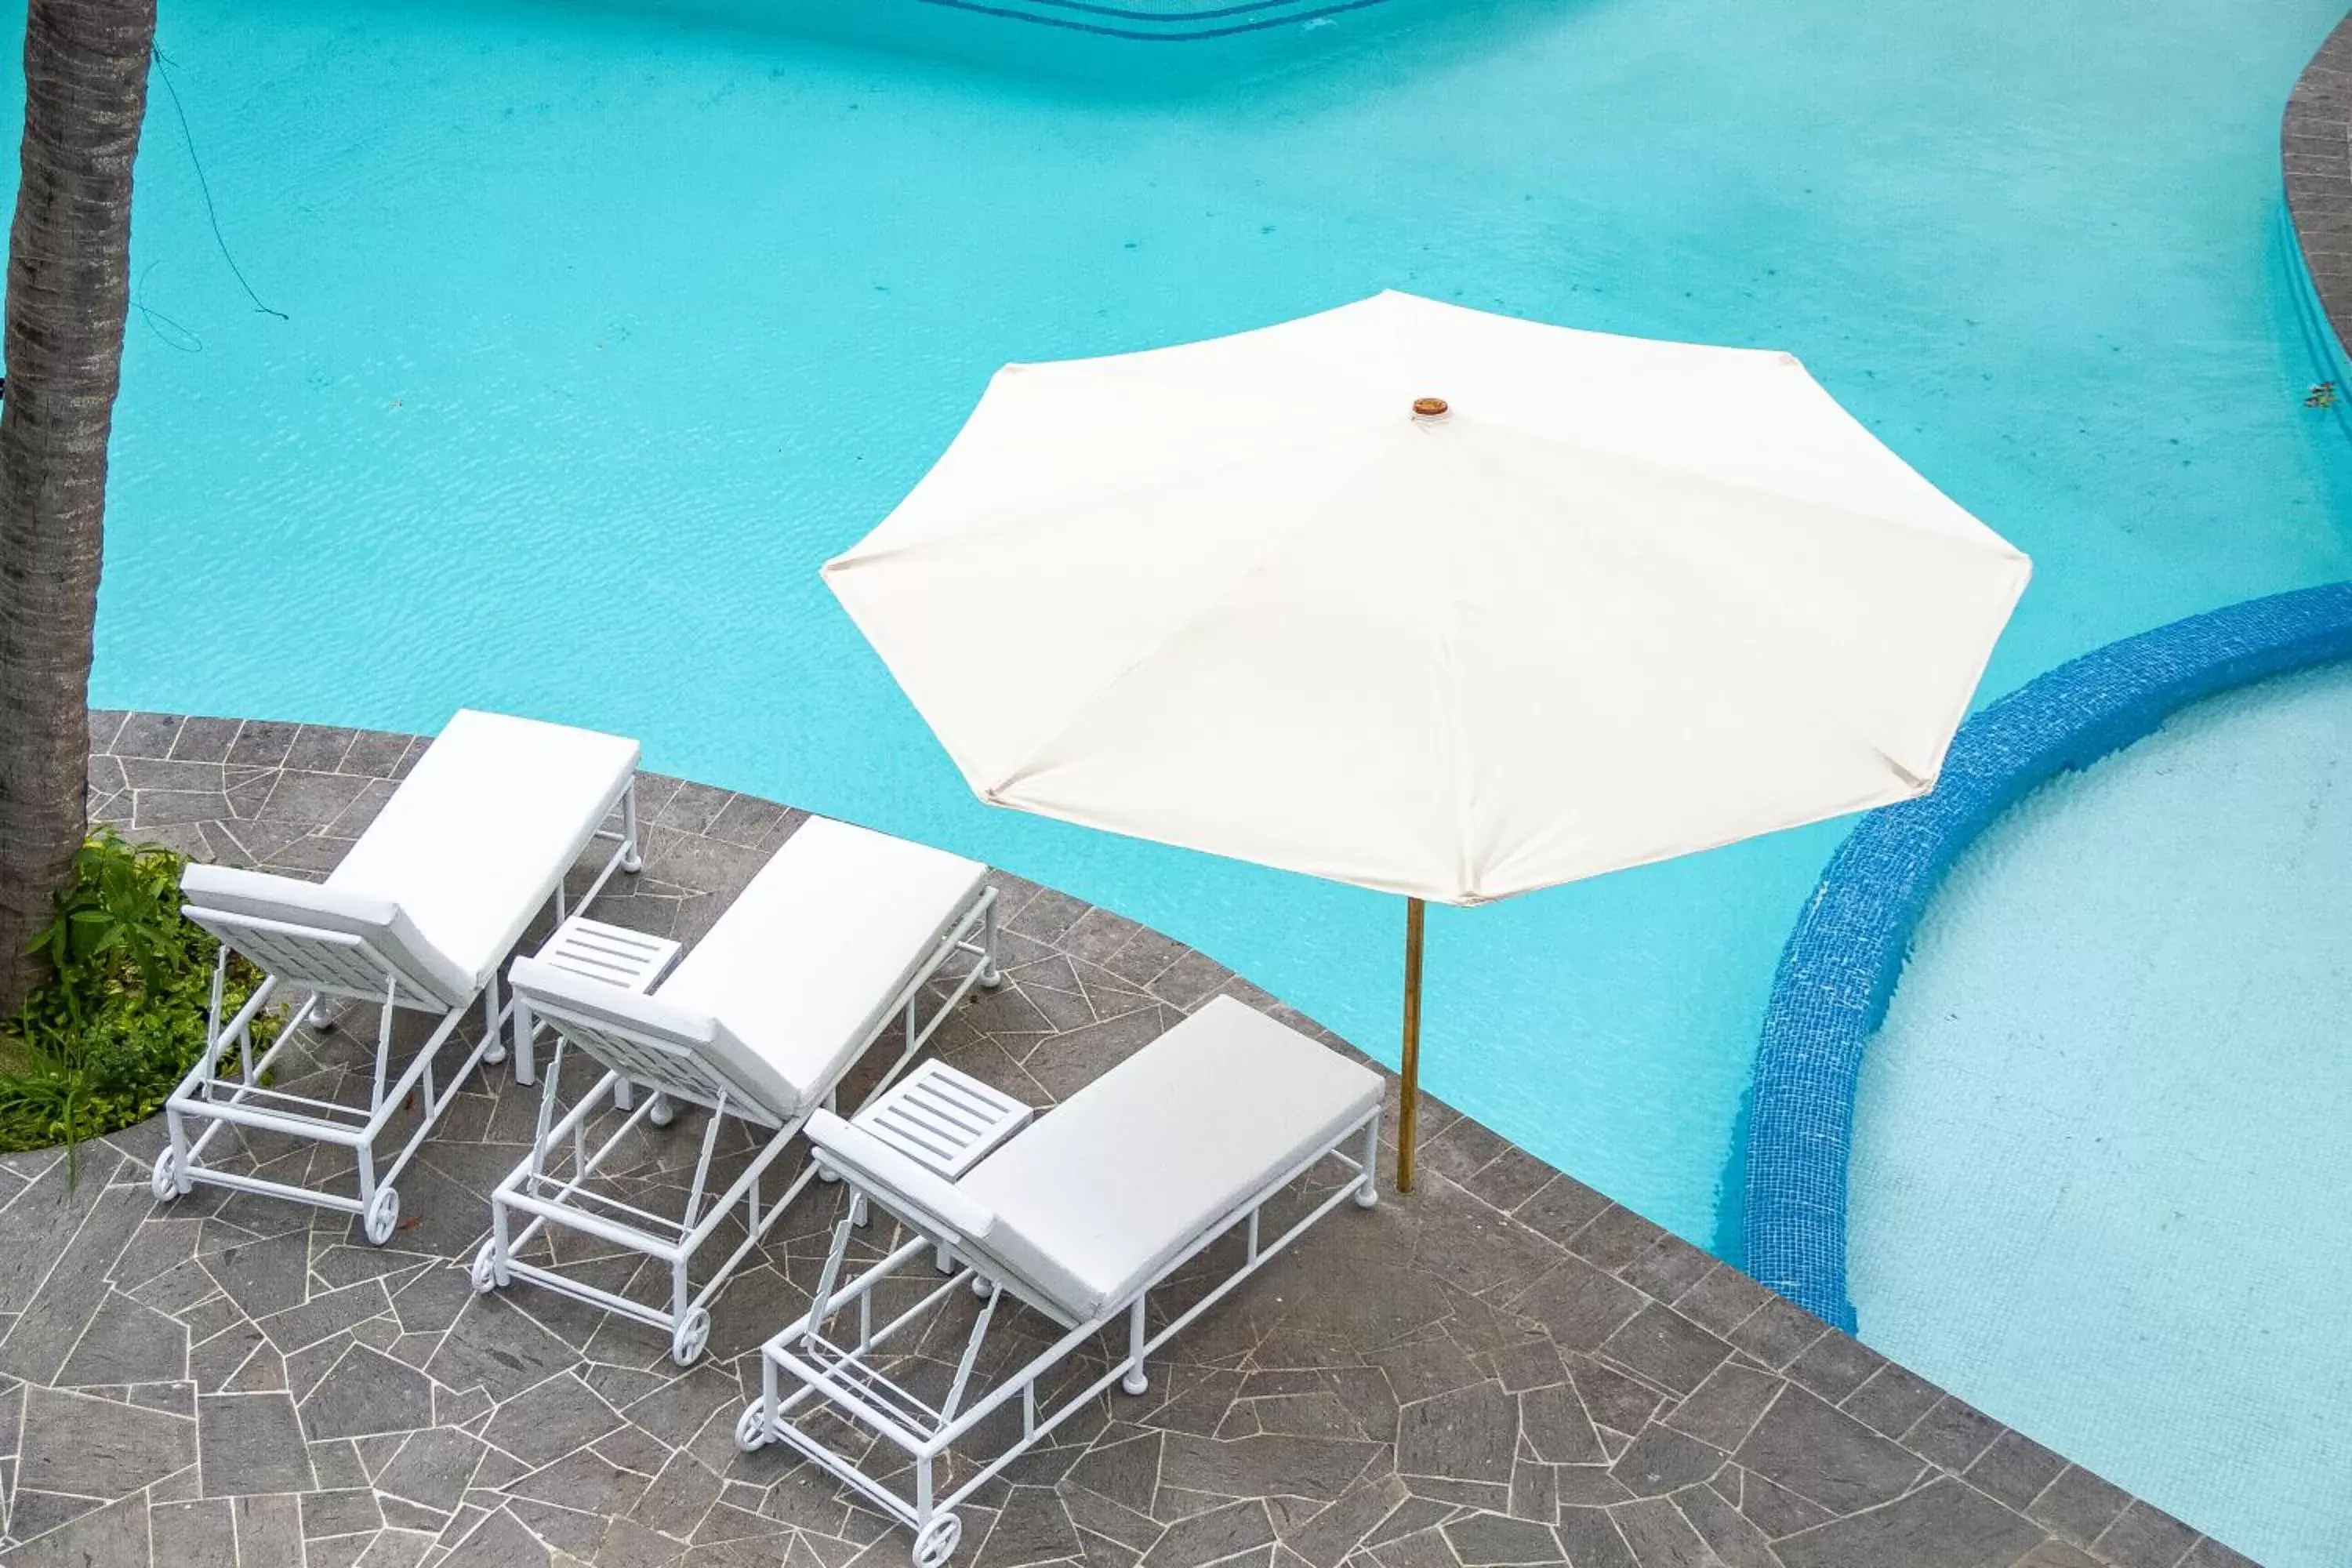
(289, 901)
(483, 829)
(801, 967)
(1096, 1197)
(786, 989)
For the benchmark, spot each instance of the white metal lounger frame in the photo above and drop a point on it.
(675, 1072)
(335, 963)
(849, 1382)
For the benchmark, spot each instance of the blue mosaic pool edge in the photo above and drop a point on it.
(2331, 367)
(1841, 963)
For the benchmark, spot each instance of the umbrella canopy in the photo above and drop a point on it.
(1431, 601)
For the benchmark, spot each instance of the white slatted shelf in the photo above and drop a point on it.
(943, 1120)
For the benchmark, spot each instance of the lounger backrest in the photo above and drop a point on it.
(648, 1040)
(342, 944)
(942, 1211)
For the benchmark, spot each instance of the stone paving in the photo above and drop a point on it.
(2316, 153)
(1504, 1368)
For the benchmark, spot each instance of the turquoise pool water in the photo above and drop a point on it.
(2104, 1198)
(605, 325)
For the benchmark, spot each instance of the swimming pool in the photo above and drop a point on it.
(2104, 1198)
(603, 326)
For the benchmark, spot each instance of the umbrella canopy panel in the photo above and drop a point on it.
(1620, 601)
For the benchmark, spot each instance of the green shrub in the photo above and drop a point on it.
(104, 1041)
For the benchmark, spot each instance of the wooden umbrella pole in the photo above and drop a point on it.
(1408, 1110)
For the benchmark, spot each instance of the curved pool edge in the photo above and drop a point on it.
(1840, 965)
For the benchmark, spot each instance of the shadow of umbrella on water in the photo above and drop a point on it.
(1432, 602)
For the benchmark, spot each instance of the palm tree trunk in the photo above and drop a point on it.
(68, 284)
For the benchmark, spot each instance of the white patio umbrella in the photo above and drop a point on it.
(1431, 601)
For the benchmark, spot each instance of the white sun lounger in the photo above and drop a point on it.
(418, 917)
(828, 948)
(1080, 1215)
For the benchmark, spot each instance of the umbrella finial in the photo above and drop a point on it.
(1429, 408)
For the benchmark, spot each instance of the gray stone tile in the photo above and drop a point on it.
(198, 1534)
(2144, 1537)
(127, 1343)
(152, 808)
(1615, 1400)
(1942, 1525)
(1660, 1536)
(204, 740)
(373, 754)
(152, 774)
(1777, 1333)
(112, 1534)
(1822, 1454)
(1484, 1539)
(2057, 1554)
(1213, 1536)
(1724, 1409)
(1614, 1238)
(1662, 1460)
(318, 749)
(147, 735)
(1578, 1304)
(262, 744)
(98, 1447)
(433, 1468)
(53, 1321)
(1254, 1467)
(1835, 1366)
(559, 1415)
(1665, 1348)
(1893, 1400)
(1952, 1435)
(351, 1512)
(1557, 1426)
(367, 1391)
(1733, 1539)
(324, 1314)
(261, 1275)
(1722, 1299)
(1470, 1434)
(313, 799)
(1591, 1539)
(2015, 1470)
(251, 1443)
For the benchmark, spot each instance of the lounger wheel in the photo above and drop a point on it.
(382, 1215)
(317, 1018)
(1368, 1193)
(661, 1112)
(1136, 1382)
(752, 1432)
(936, 1542)
(692, 1334)
(171, 1178)
(989, 979)
(631, 861)
(486, 1273)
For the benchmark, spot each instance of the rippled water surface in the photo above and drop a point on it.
(604, 326)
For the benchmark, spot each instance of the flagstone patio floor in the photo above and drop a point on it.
(1503, 1368)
